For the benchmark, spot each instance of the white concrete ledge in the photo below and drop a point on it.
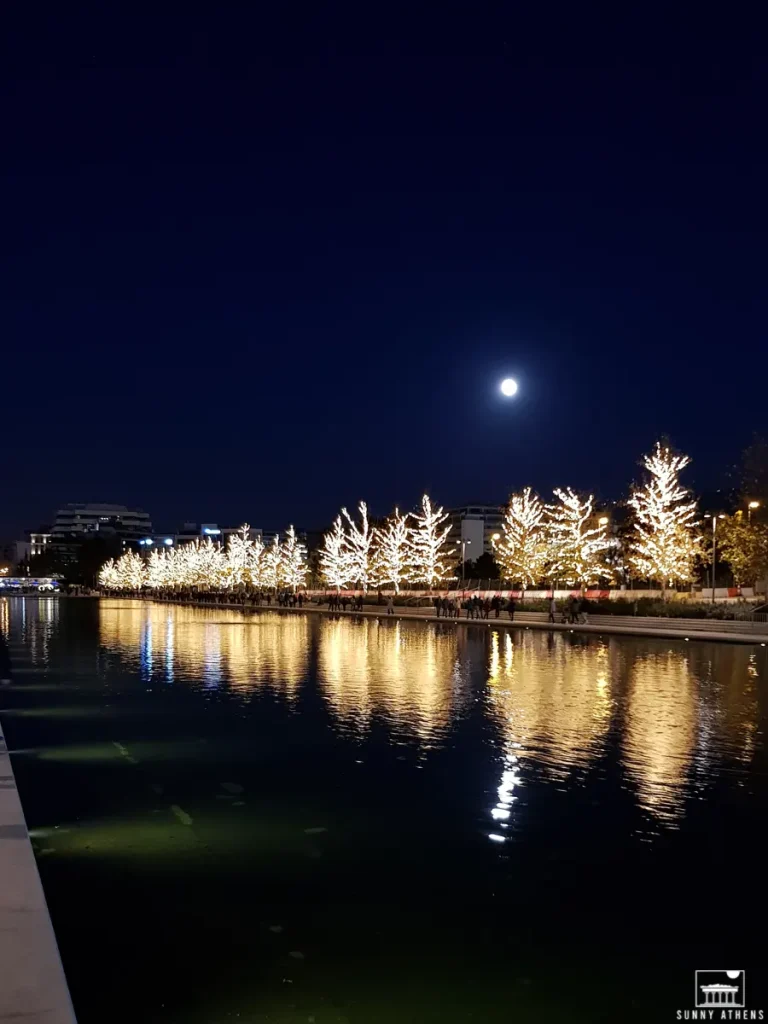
(33, 989)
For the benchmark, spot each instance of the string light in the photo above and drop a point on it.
(205, 564)
(428, 559)
(522, 550)
(390, 560)
(575, 546)
(334, 564)
(293, 561)
(358, 541)
(665, 543)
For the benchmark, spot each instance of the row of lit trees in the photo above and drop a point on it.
(412, 547)
(244, 562)
(563, 541)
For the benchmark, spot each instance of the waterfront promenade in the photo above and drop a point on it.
(731, 631)
(32, 984)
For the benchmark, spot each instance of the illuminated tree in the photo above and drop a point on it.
(158, 570)
(358, 547)
(293, 561)
(241, 558)
(577, 542)
(211, 564)
(271, 563)
(522, 550)
(254, 569)
(131, 571)
(334, 563)
(109, 576)
(428, 558)
(744, 545)
(390, 558)
(665, 543)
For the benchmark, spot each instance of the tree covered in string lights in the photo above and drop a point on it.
(131, 571)
(358, 541)
(334, 562)
(293, 561)
(109, 575)
(523, 549)
(390, 559)
(577, 541)
(271, 564)
(238, 557)
(665, 542)
(429, 558)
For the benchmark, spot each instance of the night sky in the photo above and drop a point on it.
(256, 269)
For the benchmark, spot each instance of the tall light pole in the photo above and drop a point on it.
(714, 551)
(751, 508)
(463, 555)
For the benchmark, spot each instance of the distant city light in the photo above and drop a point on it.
(210, 530)
(603, 520)
(754, 504)
(509, 387)
(168, 540)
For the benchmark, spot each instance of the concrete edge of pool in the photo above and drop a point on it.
(33, 986)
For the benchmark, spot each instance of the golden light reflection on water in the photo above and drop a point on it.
(176, 642)
(669, 716)
(549, 697)
(403, 672)
(660, 730)
(678, 711)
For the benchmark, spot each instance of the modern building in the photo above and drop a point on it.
(39, 541)
(87, 519)
(473, 528)
(195, 531)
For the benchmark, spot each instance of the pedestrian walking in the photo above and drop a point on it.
(573, 606)
(390, 605)
(511, 606)
(552, 608)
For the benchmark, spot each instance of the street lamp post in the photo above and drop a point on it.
(714, 551)
(463, 555)
(751, 508)
(714, 554)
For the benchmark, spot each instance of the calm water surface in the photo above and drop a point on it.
(300, 817)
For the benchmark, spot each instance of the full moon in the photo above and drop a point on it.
(509, 387)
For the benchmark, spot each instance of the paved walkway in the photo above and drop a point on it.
(624, 625)
(32, 984)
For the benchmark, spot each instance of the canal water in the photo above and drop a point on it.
(306, 818)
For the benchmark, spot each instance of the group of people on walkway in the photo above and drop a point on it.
(574, 610)
(474, 607)
(339, 602)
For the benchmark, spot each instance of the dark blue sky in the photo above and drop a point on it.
(257, 269)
